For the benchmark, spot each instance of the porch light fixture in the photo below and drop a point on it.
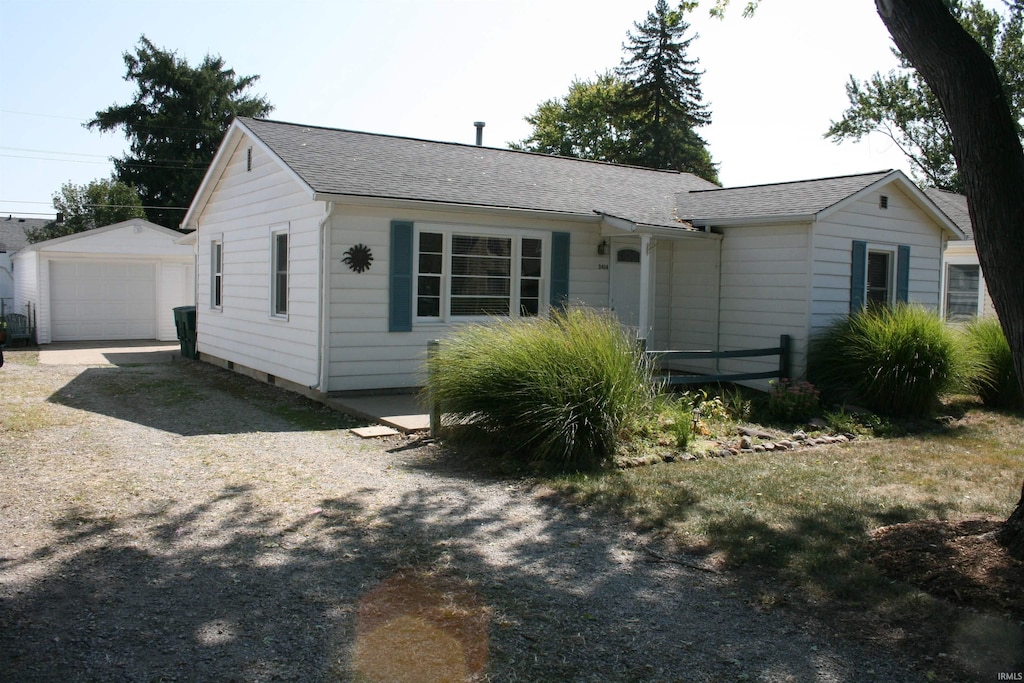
(602, 248)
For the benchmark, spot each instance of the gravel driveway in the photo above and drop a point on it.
(179, 522)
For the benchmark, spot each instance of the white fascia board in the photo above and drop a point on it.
(398, 203)
(753, 221)
(613, 225)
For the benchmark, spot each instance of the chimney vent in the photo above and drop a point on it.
(479, 132)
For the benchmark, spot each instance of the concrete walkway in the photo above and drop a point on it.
(399, 412)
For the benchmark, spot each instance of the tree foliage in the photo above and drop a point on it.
(174, 124)
(665, 94)
(84, 207)
(590, 122)
(901, 106)
(645, 113)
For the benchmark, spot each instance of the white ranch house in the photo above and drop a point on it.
(328, 259)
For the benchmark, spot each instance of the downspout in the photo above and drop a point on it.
(645, 286)
(323, 268)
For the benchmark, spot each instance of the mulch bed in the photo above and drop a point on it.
(960, 561)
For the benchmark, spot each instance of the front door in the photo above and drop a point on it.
(624, 293)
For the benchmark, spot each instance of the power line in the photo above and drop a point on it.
(103, 206)
(185, 166)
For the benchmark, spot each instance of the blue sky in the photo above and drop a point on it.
(429, 69)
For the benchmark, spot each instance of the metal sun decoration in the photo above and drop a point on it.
(358, 258)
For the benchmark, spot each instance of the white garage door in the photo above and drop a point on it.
(92, 300)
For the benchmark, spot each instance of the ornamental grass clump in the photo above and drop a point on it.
(894, 361)
(996, 378)
(559, 391)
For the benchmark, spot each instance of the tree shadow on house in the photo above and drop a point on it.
(457, 580)
(191, 399)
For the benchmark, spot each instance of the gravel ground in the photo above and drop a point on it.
(178, 522)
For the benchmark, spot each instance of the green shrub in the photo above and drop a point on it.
(791, 400)
(895, 361)
(996, 379)
(559, 391)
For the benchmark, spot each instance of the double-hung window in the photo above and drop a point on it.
(963, 291)
(279, 272)
(216, 274)
(879, 278)
(879, 275)
(464, 274)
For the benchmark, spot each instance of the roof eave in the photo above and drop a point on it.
(435, 204)
(740, 221)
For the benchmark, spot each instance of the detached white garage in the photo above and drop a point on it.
(120, 281)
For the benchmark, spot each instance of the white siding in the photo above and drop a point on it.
(175, 287)
(901, 223)
(693, 288)
(364, 355)
(764, 294)
(663, 264)
(240, 213)
(26, 285)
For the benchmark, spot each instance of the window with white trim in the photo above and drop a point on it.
(467, 274)
(963, 291)
(880, 278)
(216, 273)
(279, 273)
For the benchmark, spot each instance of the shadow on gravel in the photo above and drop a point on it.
(445, 583)
(189, 399)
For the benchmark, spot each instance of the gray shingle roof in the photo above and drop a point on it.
(955, 207)
(801, 198)
(12, 231)
(345, 162)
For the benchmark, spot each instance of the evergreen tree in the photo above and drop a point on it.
(666, 95)
(644, 114)
(84, 207)
(175, 124)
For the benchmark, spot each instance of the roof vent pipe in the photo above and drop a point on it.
(479, 132)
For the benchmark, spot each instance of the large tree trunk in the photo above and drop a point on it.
(988, 153)
(1012, 533)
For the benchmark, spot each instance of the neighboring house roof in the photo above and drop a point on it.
(953, 205)
(343, 163)
(12, 232)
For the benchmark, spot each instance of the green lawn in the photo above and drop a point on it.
(806, 514)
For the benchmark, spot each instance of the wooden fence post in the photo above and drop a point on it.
(784, 344)
(435, 413)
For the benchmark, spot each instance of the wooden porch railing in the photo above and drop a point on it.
(782, 351)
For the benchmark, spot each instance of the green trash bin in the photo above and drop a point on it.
(185, 323)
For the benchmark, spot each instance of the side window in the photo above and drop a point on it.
(429, 274)
(279, 273)
(216, 273)
(963, 282)
(879, 278)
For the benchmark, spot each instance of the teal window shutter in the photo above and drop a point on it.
(559, 269)
(858, 272)
(903, 274)
(400, 294)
